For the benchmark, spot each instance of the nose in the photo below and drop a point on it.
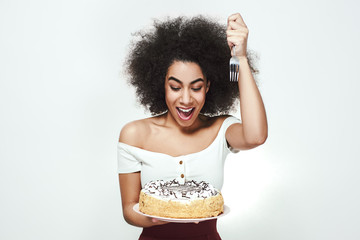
(186, 97)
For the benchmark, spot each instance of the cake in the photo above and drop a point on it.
(174, 200)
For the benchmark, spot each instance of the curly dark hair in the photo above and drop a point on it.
(200, 40)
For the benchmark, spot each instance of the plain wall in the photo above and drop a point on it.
(64, 99)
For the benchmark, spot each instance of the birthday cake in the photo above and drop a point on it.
(174, 200)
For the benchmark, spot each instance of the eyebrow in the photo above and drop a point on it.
(177, 80)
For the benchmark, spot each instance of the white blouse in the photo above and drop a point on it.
(206, 165)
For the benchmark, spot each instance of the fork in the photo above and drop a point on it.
(234, 67)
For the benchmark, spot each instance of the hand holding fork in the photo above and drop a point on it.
(237, 35)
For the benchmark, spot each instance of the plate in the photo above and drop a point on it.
(182, 220)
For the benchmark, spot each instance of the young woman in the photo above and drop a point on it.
(181, 74)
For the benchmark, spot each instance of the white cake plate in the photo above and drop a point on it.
(182, 220)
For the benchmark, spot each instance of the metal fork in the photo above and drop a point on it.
(234, 67)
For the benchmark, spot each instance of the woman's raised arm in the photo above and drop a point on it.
(253, 130)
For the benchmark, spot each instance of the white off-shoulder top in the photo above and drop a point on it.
(206, 165)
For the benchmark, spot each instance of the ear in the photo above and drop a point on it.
(207, 85)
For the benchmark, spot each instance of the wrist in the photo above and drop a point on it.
(242, 58)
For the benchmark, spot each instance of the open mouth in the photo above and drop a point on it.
(185, 113)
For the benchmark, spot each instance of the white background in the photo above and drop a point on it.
(64, 99)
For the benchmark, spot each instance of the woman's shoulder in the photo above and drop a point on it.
(214, 123)
(217, 120)
(133, 133)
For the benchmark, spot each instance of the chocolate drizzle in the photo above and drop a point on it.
(174, 190)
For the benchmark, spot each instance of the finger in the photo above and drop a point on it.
(230, 33)
(235, 41)
(231, 18)
(240, 20)
(236, 17)
(158, 222)
(236, 26)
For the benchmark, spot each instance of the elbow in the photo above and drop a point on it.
(129, 221)
(256, 136)
(128, 215)
(261, 137)
(126, 218)
(257, 140)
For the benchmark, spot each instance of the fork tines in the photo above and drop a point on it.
(234, 66)
(234, 72)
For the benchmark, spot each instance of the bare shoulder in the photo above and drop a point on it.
(134, 131)
(219, 120)
(215, 122)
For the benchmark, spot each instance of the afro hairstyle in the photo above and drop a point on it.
(198, 39)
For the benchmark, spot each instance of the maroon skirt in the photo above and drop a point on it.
(205, 230)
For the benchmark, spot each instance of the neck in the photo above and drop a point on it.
(171, 122)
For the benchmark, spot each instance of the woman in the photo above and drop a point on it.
(181, 74)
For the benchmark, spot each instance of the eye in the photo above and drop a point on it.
(174, 88)
(197, 89)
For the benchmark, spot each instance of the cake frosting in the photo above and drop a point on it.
(176, 191)
(172, 199)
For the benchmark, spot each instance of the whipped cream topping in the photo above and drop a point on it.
(174, 190)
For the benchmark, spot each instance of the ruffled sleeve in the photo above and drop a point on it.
(127, 162)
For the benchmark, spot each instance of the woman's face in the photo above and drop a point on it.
(185, 91)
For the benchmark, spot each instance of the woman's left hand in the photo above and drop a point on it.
(237, 34)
